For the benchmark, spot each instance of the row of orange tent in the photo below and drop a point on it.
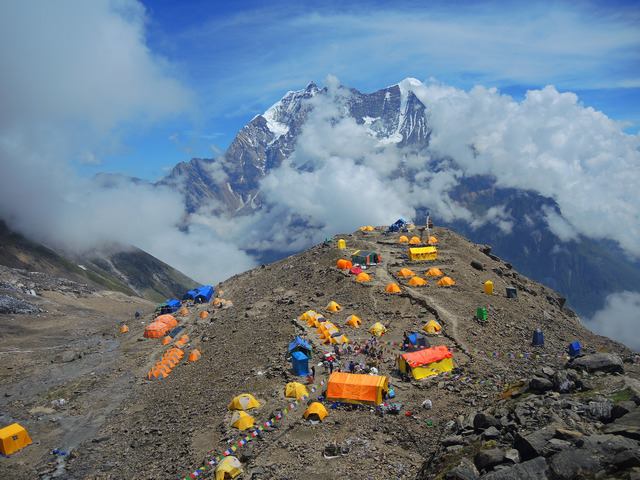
(416, 240)
(167, 363)
(160, 326)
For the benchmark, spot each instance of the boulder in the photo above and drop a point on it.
(620, 409)
(599, 362)
(477, 265)
(512, 455)
(491, 433)
(487, 459)
(535, 444)
(535, 469)
(540, 384)
(465, 470)
(483, 421)
(600, 410)
(573, 463)
(628, 425)
(453, 440)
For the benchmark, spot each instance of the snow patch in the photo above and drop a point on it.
(370, 120)
(82, 267)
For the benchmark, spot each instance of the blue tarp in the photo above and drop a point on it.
(170, 306)
(399, 224)
(190, 295)
(300, 364)
(205, 292)
(300, 344)
(416, 340)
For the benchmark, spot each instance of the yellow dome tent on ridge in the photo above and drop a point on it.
(433, 240)
(295, 390)
(406, 272)
(434, 272)
(333, 307)
(228, 468)
(242, 420)
(309, 314)
(415, 241)
(446, 282)
(363, 277)
(432, 327)
(354, 321)
(392, 288)
(417, 282)
(316, 411)
(403, 239)
(244, 401)
(378, 329)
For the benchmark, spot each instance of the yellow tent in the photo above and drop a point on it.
(354, 321)
(377, 329)
(432, 327)
(363, 277)
(309, 314)
(392, 288)
(333, 307)
(446, 282)
(403, 239)
(426, 362)
(295, 390)
(434, 272)
(415, 241)
(433, 240)
(417, 282)
(228, 468)
(315, 321)
(244, 401)
(423, 254)
(124, 329)
(242, 420)
(405, 272)
(13, 437)
(368, 228)
(316, 411)
(338, 339)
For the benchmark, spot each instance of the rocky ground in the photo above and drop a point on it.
(168, 428)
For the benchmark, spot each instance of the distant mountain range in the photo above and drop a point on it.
(584, 270)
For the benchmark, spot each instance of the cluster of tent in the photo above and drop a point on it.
(432, 240)
(417, 281)
(166, 364)
(360, 276)
(201, 294)
(160, 326)
(426, 362)
(367, 228)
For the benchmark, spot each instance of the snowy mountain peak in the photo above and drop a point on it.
(281, 113)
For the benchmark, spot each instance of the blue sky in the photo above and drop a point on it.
(237, 58)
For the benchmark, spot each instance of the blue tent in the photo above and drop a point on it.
(416, 340)
(299, 344)
(300, 364)
(190, 295)
(170, 306)
(399, 225)
(205, 292)
(574, 349)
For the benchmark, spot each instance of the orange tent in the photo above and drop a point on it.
(446, 282)
(182, 340)
(195, 355)
(403, 239)
(434, 272)
(124, 329)
(405, 272)
(363, 277)
(203, 314)
(169, 320)
(356, 388)
(433, 240)
(166, 340)
(343, 264)
(417, 282)
(415, 241)
(392, 288)
(183, 311)
(156, 330)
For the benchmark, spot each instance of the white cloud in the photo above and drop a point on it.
(619, 319)
(74, 74)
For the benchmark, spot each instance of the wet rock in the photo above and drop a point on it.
(487, 459)
(535, 469)
(573, 463)
(599, 362)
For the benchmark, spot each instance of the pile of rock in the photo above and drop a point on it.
(568, 424)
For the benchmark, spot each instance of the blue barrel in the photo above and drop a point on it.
(538, 338)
